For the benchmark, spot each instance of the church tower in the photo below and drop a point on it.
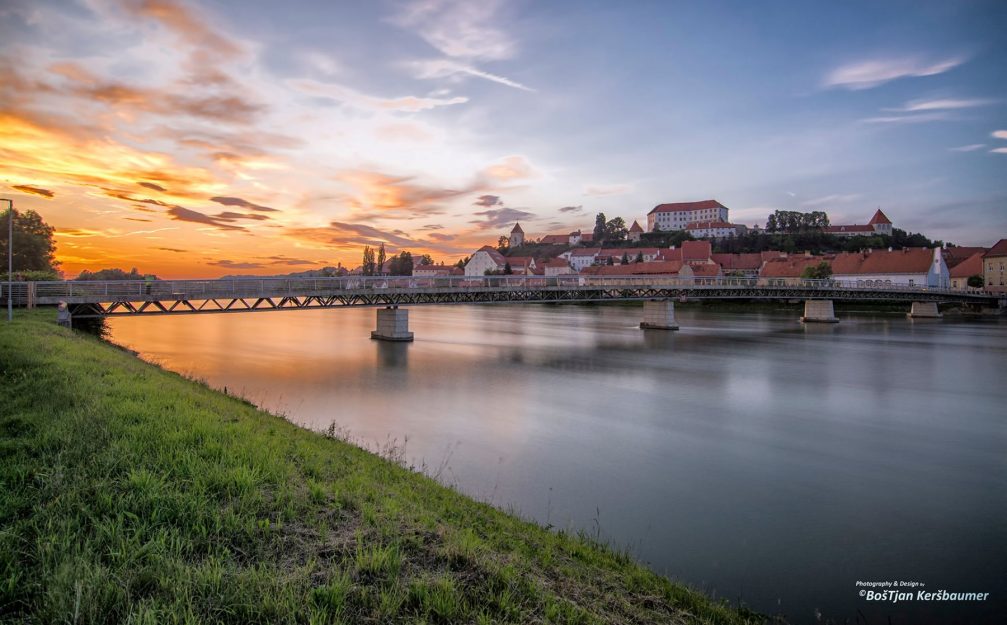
(516, 236)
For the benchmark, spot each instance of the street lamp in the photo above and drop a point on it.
(10, 258)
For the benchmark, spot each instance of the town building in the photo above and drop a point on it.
(582, 257)
(516, 238)
(879, 224)
(432, 271)
(635, 231)
(557, 267)
(691, 252)
(555, 239)
(485, 259)
(962, 271)
(994, 274)
(676, 216)
(743, 265)
(630, 253)
(910, 266)
(714, 229)
(786, 270)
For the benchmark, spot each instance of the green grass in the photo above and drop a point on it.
(130, 494)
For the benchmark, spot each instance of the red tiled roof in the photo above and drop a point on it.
(791, 267)
(669, 254)
(686, 206)
(708, 270)
(672, 267)
(635, 227)
(519, 260)
(497, 257)
(696, 250)
(879, 218)
(972, 266)
(738, 261)
(906, 260)
(556, 262)
(586, 251)
(555, 239)
(955, 255)
(632, 252)
(1000, 249)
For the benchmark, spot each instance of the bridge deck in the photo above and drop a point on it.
(94, 298)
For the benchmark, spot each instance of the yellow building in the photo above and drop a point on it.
(995, 267)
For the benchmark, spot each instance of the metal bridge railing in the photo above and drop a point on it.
(126, 290)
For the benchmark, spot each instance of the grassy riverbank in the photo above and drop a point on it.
(130, 494)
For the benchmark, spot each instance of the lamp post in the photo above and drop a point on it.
(10, 258)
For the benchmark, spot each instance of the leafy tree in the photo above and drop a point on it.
(503, 244)
(401, 265)
(821, 271)
(976, 281)
(34, 243)
(639, 257)
(616, 230)
(114, 274)
(426, 259)
(367, 267)
(625, 258)
(610, 262)
(599, 228)
(508, 270)
(380, 266)
(461, 264)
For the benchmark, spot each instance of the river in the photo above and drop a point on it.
(748, 455)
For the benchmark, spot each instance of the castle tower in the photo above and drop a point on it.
(635, 231)
(881, 223)
(516, 236)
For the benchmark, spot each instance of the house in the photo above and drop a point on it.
(787, 270)
(714, 229)
(521, 265)
(746, 265)
(555, 239)
(432, 271)
(635, 231)
(678, 215)
(485, 259)
(631, 253)
(911, 266)
(557, 267)
(953, 255)
(879, 224)
(674, 268)
(963, 270)
(994, 275)
(691, 252)
(583, 257)
(516, 238)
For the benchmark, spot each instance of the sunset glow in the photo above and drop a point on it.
(198, 140)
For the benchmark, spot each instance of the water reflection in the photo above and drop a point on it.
(749, 454)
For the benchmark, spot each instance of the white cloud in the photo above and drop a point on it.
(607, 189)
(998, 151)
(446, 68)
(868, 74)
(943, 104)
(968, 148)
(832, 199)
(999, 134)
(459, 28)
(342, 93)
(907, 119)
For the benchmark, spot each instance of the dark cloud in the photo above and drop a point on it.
(151, 185)
(488, 200)
(171, 249)
(231, 264)
(137, 219)
(27, 188)
(571, 209)
(232, 216)
(499, 217)
(237, 201)
(438, 236)
(284, 260)
(184, 214)
(432, 227)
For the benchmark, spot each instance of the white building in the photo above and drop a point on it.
(678, 215)
(714, 229)
(879, 224)
(485, 259)
(583, 257)
(516, 238)
(911, 266)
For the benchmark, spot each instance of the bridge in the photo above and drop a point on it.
(89, 299)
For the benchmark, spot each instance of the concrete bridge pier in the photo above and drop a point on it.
(393, 325)
(924, 310)
(659, 314)
(819, 311)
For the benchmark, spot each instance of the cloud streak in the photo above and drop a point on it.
(33, 190)
(352, 97)
(875, 72)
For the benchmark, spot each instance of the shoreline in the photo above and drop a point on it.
(170, 498)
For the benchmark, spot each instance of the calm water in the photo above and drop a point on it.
(746, 454)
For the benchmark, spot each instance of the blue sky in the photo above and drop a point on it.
(431, 125)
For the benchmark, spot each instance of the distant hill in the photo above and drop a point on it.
(324, 272)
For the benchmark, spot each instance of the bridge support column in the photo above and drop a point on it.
(659, 314)
(924, 310)
(393, 325)
(819, 311)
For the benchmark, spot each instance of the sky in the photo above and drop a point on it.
(199, 139)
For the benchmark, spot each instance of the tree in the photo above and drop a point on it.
(461, 264)
(616, 230)
(639, 257)
(401, 265)
(380, 267)
(114, 274)
(34, 243)
(610, 262)
(599, 228)
(976, 281)
(821, 271)
(503, 244)
(508, 270)
(426, 259)
(367, 267)
(625, 258)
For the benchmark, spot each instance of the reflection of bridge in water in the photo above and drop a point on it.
(173, 297)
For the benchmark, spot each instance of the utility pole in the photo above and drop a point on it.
(10, 259)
